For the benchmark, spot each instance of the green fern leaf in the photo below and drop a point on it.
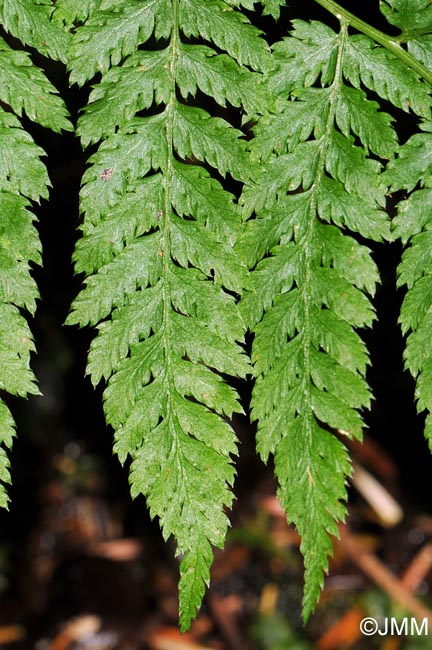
(30, 180)
(412, 170)
(29, 21)
(414, 163)
(7, 428)
(69, 12)
(125, 91)
(109, 35)
(209, 139)
(364, 118)
(302, 59)
(312, 281)
(228, 30)
(412, 17)
(247, 4)
(157, 250)
(23, 180)
(26, 89)
(384, 73)
(218, 76)
(270, 7)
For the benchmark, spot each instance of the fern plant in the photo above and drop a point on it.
(411, 171)
(318, 184)
(231, 187)
(157, 251)
(25, 92)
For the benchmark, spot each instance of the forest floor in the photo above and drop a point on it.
(81, 581)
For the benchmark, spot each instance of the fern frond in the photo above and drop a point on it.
(414, 19)
(112, 33)
(412, 172)
(29, 21)
(26, 89)
(157, 250)
(312, 281)
(270, 7)
(381, 71)
(228, 30)
(23, 180)
(69, 12)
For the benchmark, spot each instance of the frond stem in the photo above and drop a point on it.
(335, 88)
(165, 240)
(379, 37)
